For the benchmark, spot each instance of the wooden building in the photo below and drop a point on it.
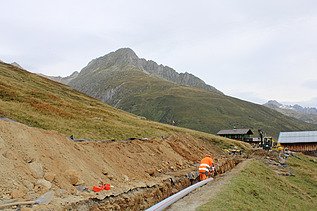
(237, 134)
(302, 141)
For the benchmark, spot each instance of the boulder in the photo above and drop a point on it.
(73, 177)
(44, 184)
(49, 176)
(15, 194)
(37, 170)
(105, 171)
(126, 178)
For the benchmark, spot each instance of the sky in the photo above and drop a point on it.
(254, 50)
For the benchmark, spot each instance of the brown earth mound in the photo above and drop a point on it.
(33, 161)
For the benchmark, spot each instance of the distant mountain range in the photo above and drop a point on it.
(14, 64)
(63, 80)
(306, 114)
(126, 56)
(17, 65)
(159, 93)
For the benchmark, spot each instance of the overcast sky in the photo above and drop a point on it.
(251, 49)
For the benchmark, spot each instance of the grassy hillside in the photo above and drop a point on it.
(128, 88)
(39, 102)
(258, 187)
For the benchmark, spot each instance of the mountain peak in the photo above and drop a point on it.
(305, 114)
(126, 53)
(273, 103)
(126, 56)
(16, 65)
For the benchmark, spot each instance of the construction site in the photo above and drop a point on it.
(140, 172)
(63, 150)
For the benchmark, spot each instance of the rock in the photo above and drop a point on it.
(81, 188)
(126, 56)
(9, 155)
(126, 178)
(110, 176)
(44, 183)
(73, 177)
(151, 172)
(28, 159)
(174, 190)
(37, 170)
(49, 176)
(105, 171)
(6, 196)
(17, 194)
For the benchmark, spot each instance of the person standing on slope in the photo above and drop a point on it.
(205, 167)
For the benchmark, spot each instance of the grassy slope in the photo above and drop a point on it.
(163, 101)
(259, 188)
(39, 102)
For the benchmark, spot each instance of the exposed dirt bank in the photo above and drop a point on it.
(33, 161)
(142, 198)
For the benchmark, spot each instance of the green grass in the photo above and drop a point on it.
(198, 109)
(39, 102)
(257, 187)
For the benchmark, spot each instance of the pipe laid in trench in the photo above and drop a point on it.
(170, 200)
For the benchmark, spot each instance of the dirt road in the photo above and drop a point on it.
(206, 193)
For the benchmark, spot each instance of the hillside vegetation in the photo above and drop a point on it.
(31, 155)
(258, 187)
(126, 86)
(39, 102)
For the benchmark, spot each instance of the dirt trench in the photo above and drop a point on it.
(142, 172)
(143, 198)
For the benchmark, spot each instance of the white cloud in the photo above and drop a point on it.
(265, 49)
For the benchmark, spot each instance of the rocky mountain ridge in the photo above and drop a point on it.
(63, 80)
(17, 65)
(120, 80)
(127, 57)
(307, 114)
(13, 63)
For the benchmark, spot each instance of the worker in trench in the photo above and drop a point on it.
(206, 167)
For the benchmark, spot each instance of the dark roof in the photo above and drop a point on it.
(298, 137)
(235, 132)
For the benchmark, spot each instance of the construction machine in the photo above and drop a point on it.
(266, 141)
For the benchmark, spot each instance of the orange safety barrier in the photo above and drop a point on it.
(102, 187)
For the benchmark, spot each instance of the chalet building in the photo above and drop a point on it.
(237, 134)
(303, 141)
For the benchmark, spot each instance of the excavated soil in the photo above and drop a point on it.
(33, 161)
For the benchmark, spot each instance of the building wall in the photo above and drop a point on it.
(240, 137)
(301, 147)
